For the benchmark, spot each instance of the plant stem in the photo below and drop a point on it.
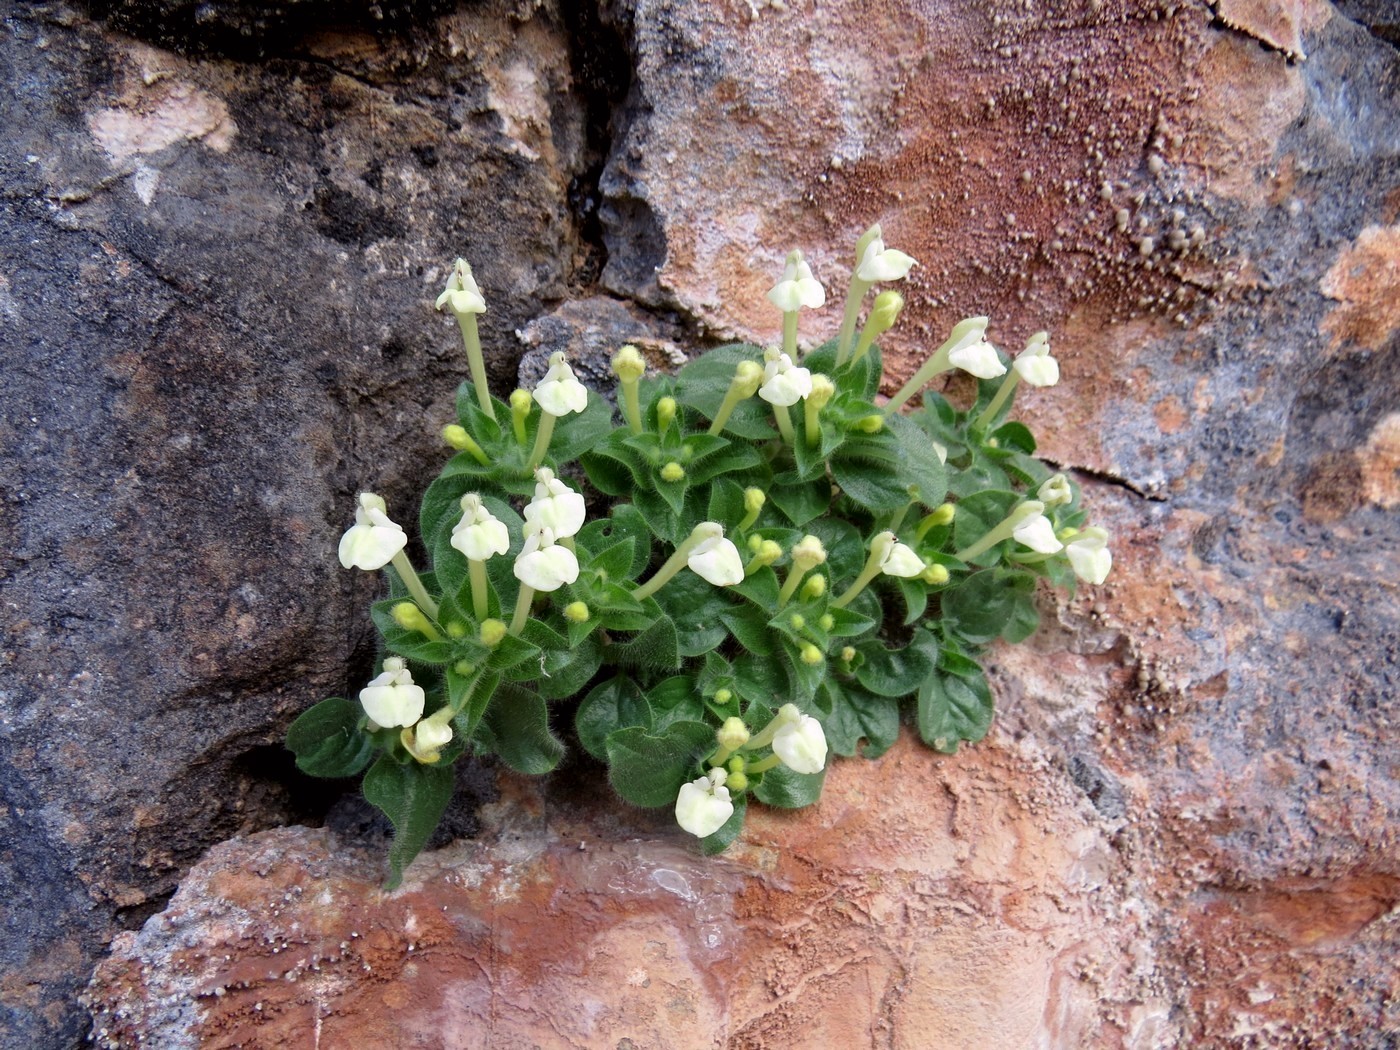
(472, 340)
(1003, 392)
(522, 608)
(784, 421)
(848, 322)
(416, 590)
(476, 573)
(542, 439)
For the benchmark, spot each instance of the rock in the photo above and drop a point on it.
(206, 268)
(573, 924)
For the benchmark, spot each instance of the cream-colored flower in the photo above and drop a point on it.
(462, 296)
(1034, 529)
(1035, 365)
(555, 506)
(901, 561)
(978, 357)
(801, 745)
(1055, 491)
(392, 699)
(703, 805)
(783, 382)
(426, 740)
(716, 559)
(798, 288)
(879, 263)
(373, 540)
(1089, 555)
(542, 564)
(480, 535)
(560, 392)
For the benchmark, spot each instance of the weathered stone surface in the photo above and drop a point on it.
(983, 906)
(216, 283)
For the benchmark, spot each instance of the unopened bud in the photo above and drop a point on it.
(754, 500)
(456, 629)
(733, 734)
(808, 553)
(848, 653)
(827, 622)
(456, 436)
(943, 515)
(628, 364)
(884, 312)
(754, 542)
(935, 575)
(736, 765)
(576, 612)
(822, 390)
(665, 412)
(811, 655)
(492, 631)
(769, 551)
(723, 696)
(814, 587)
(798, 621)
(672, 471)
(872, 424)
(737, 781)
(747, 377)
(464, 668)
(520, 402)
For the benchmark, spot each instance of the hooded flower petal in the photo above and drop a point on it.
(1033, 529)
(462, 296)
(717, 560)
(392, 699)
(783, 382)
(1055, 491)
(1089, 555)
(902, 561)
(373, 540)
(555, 506)
(979, 358)
(1035, 365)
(542, 564)
(883, 264)
(560, 392)
(480, 535)
(798, 288)
(703, 805)
(801, 745)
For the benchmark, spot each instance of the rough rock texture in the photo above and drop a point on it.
(565, 927)
(215, 276)
(216, 281)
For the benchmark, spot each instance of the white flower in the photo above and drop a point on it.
(1055, 491)
(426, 740)
(783, 382)
(373, 540)
(902, 561)
(462, 295)
(978, 357)
(543, 565)
(480, 535)
(1033, 528)
(555, 506)
(392, 699)
(703, 805)
(1089, 555)
(715, 558)
(801, 745)
(798, 288)
(560, 392)
(882, 264)
(1035, 365)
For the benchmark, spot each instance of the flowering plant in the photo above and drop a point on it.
(785, 568)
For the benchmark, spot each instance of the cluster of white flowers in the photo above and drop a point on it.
(392, 700)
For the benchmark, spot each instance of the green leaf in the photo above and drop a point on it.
(703, 383)
(675, 700)
(413, 797)
(722, 839)
(648, 769)
(858, 715)
(896, 672)
(328, 741)
(978, 514)
(658, 647)
(875, 486)
(610, 706)
(624, 522)
(615, 561)
(567, 671)
(578, 432)
(749, 625)
(803, 502)
(918, 468)
(1015, 437)
(471, 695)
(785, 789)
(516, 727)
(515, 658)
(993, 602)
(954, 706)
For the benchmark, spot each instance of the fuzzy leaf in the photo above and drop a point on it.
(785, 789)
(516, 727)
(610, 706)
(858, 715)
(414, 798)
(648, 769)
(955, 704)
(328, 741)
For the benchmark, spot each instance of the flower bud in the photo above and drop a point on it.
(408, 616)
(456, 629)
(747, 377)
(737, 781)
(733, 734)
(456, 437)
(826, 622)
(935, 575)
(753, 500)
(811, 655)
(871, 424)
(628, 364)
(576, 612)
(943, 515)
(673, 471)
(520, 402)
(723, 696)
(848, 653)
(885, 311)
(797, 620)
(492, 631)
(822, 388)
(665, 412)
(808, 553)
(755, 542)
(814, 587)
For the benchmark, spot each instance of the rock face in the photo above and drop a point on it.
(987, 872)
(215, 280)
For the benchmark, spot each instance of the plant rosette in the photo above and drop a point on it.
(787, 570)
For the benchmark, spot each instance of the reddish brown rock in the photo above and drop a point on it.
(980, 904)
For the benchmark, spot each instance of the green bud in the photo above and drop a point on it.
(870, 424)
(814, 587)
(798, 621)
(672, 471)
(457, 437)
(736, 782)
(822, 389)
(935, 575)
(736, 764)
(754, 500)
(811, 655)
(748, 376)
(576, 612)
(944, 514)
(665, 412)
(733, 734)
(754, 542)
(723, 696)
(628, 364)
(520, 402)
(464, 668)
(408, 616)
(884, 312)
(492, 631)
(827, 622)
(848, 653)
(456, 629)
